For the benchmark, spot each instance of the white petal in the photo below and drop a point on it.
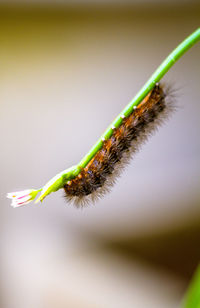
(16, 203)
(19, 194)
(11, 195)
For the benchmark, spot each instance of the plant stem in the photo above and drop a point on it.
(157, 75)
(60, 179)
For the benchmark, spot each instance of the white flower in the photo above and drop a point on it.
(23, 197)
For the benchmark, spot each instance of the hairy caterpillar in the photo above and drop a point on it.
(99, 175)
(97, 171)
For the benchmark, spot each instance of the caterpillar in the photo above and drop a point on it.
(100, 174)
(102, 165)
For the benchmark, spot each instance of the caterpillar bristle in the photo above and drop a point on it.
(98, 177)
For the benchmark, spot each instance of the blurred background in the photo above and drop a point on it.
(67, 68)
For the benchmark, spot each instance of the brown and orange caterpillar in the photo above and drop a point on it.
(97, 171)
(101, 172)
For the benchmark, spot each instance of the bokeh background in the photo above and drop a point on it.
(67, 68)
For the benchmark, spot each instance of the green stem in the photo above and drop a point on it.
(60, 179)
(157, 75)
